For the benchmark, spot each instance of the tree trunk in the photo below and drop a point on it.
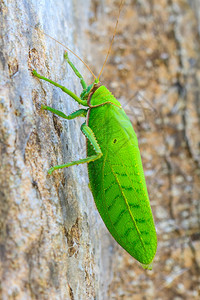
(53, 243)
(50, 231)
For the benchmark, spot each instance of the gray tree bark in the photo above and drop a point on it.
(53, 243)
(50, 231)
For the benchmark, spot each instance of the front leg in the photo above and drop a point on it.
(84, 85)
(64, 89)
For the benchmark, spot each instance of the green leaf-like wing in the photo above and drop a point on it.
(118, 183)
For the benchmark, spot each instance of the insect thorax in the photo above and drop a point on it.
(102, 95)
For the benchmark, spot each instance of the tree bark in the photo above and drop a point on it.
(53, 243)
(50, 231)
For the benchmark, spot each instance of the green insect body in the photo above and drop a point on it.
(117, 179)
(114, 167)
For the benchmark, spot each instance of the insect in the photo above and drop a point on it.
(114, 165)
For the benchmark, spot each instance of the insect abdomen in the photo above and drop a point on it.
(118, 184)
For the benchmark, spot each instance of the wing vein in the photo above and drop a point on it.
(128, 207)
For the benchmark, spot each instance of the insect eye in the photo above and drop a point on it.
(114, 141)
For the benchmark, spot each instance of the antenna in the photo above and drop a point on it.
(68, 50)
(115, 30)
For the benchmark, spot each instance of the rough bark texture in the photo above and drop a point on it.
(53, 244)
(50, 231)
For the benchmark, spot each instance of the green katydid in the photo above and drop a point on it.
(114, 166)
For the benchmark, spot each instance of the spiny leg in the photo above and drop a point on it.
(64, 89)
(78, 113)
(84, 85)
(87, 131)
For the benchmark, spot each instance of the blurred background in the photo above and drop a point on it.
(153, 69)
